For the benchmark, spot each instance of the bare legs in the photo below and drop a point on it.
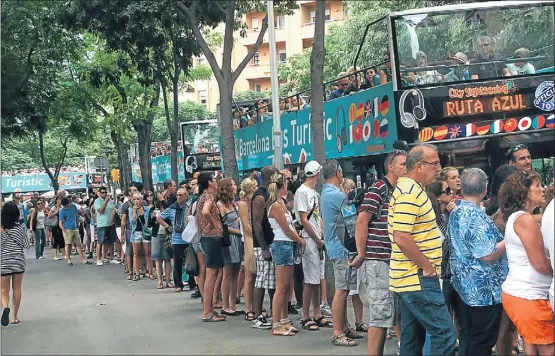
(201, 272)
(217, 285)
(136, 257)
(284, 274)
(208, 309)
(248, 289)
(240, 281)
(16, 281)
(229, 286)
(146, 247)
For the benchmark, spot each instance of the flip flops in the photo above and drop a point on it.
(212, 319)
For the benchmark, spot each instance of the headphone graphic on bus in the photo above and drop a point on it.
(408, 119)
(341, 137)
(191, 164)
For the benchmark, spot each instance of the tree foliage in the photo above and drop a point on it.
(188, 111)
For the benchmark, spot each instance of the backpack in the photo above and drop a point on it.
(349, 214)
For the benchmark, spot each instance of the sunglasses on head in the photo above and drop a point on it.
(515, 148)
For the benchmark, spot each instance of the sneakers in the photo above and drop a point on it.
(115, 262)
(99, 263)
(326, 310)
(261, 323)
(90, 255)
(56, 258)
(41, 258)
(195, 294)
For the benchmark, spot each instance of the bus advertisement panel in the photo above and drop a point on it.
(356, 125)
(41, 182)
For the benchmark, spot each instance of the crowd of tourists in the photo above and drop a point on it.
(420, 251)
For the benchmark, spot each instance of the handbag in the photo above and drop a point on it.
(51, 222)
(226, 239)
(147, 231)
(191, 229)
(191, 263)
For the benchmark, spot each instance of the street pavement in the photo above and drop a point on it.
(93, 310)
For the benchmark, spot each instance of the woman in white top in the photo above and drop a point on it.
(283, 253)
(526, 289)
(36, 226)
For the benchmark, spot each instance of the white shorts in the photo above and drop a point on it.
(118, 232)
(313, 266)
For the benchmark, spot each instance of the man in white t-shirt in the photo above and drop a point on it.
(548, 232)
(307, 211)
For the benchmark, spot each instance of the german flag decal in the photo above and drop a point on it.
(482, 130)
(425, 134)
(384, 105)
(440, 133)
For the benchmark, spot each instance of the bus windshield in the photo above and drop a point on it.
(201, 136)
(473, 44)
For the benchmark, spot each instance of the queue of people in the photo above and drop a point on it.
(422, 252)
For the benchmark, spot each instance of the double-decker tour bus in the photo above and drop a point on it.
(201, 147)
(474, 79)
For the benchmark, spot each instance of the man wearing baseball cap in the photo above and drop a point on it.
(460, 72)
(307, 211)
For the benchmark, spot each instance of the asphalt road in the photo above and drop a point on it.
(92, 310)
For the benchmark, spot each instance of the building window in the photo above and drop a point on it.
(254, 23)
(257, 88)
(282, 57)
(256, 58)
(203, 100)
(313, 15)
(279, 22)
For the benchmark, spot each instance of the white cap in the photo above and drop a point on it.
(312, 168)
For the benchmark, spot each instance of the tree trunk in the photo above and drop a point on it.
(123, 159)
(173, 139)
(226, 124)
(53, 177)
(317, 80)
(174, 130)
(143, 127)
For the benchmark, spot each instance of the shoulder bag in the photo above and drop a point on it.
(147, 231)
(226, 239)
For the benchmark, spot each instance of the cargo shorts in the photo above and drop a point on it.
(374, 292)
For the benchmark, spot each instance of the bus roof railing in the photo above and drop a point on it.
(470, 6)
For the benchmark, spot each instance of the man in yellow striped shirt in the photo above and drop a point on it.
(416, 258)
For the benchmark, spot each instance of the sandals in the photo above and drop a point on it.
(287, 332)
(352, 334)
(310, 325)
(16, 321)
(231, 313)
(130, 277)
(362, 327)
(343, 340)
(250, 316)
(151, 277)
(289, 325)
(178, 289)
(70, 264)
(6, 316)
(212, 319)
(170, 285)
(323, 323)
(160, 285)
(136, 278)
(217, 305)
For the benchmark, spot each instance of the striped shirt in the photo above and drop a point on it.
(411, 211)
(378, 245)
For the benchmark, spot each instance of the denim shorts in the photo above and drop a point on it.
(106, 234)
(283, 253)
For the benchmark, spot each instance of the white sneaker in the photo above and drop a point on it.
(56, 258)
(41, 258)
(114, 262)
(325, 309)
(99, 263)
(261, 323)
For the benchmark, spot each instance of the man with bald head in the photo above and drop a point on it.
(263, 238)
(416, 256)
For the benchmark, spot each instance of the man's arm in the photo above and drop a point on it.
(258, 205)
(102, 207)
(407, 245)
(309, 229)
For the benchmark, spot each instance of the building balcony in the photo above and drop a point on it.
(256, 71)
(251, 36)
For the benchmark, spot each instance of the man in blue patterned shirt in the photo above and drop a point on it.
(479, 267)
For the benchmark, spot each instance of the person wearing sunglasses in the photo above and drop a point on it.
(105, 228)
(479, 266)
(416, 255)
(486, 63)
(525, 291)
(343, 83)
(36, 226)
(519, 157)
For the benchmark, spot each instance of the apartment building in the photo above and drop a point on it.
(294, 34)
